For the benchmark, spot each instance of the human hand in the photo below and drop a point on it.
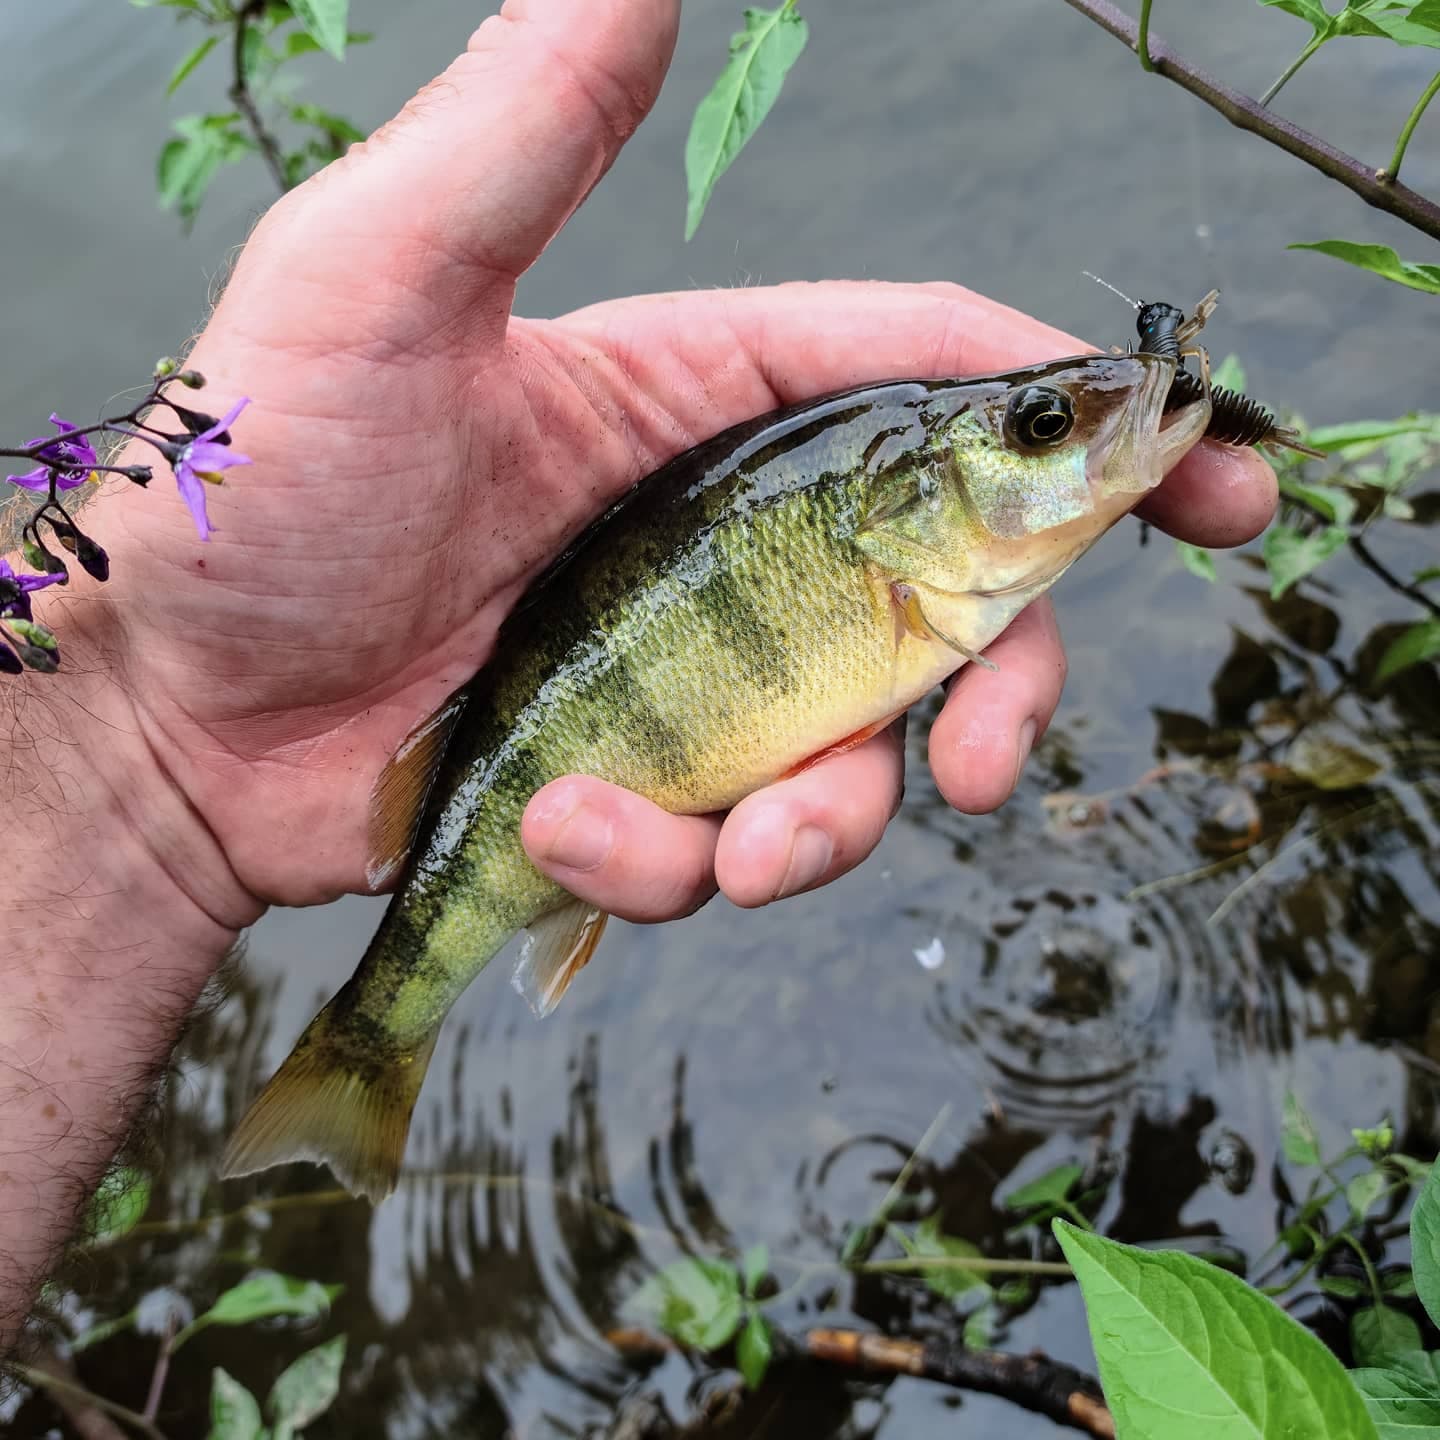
(420, 455)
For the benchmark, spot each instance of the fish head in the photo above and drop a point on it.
(1026, 470)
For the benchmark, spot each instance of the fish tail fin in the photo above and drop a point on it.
(335, 1103)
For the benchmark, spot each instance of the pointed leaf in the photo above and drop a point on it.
(754, 1349)
(188, 64)
(1336, 505)
(1403, 1398)
(1378, 1334)
(234, 1415)
(1426, 13)
(1190, 1352)
(118, 1205)
(1419, 642)
(1425, 1244)
(306, 1389)
(754, 1265)
(1379, 260)
(1425, 576)
(1363, 1191)
(1290, 555)
(760, 57)
(1298, 1137)
(260, 1296)
(326, 21)
(1198, 562)
(695, 1301)
(928, 1242)
(1051, 1187)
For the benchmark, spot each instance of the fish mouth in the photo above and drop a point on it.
(1179, 429)
(1162, 436)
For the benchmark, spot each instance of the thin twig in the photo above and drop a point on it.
(60, 1385)
(1366, 557)
(1248, 114)
(161, 1370)
(244, 101)
(1393, 168)
(1288, 73)
(1142, 39)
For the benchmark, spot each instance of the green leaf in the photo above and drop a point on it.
(1052, 1187)
(754, 1349)
(1190, 1352)
(979, 1331)
(1311, 11)
(1290, 555)
(1364, 1190)
(1399, 1284)
(1426, 13)
(760, 57)
(1379, 260)
(188, 165)
(118, 1205)
(1425, 576)
(1298, 1136)
(753, 1266)
(1336, 505)
(1419, 642)
(306, 1389)
(234, 1415)
(336, 126)
(1343, 1287)
(1425, 1244)
(1197, 561)
(1403, 1398)
(1379, 1333)
(188, 64)
(326, 21)
(929, 1243)
(694, 1301)
(1366, 434)
(1230, 373)
(260, 1296)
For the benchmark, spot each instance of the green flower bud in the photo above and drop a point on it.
(34, 633)
(164, 366)
(191, 379)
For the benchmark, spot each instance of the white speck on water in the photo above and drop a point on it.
(932, 957)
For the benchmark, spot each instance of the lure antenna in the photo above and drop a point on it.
(1133, 304)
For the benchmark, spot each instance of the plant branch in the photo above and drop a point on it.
(1393, 168)
(74, 1398)
(1142, 39)
(1248, 114)
(244, 101)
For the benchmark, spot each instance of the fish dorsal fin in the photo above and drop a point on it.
(558, 946)
(399, 793)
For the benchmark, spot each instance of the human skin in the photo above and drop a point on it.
(420, 454)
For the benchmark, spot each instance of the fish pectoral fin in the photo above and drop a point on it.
(399, 793)
(912, 616)
(334, 1102)
(558, 946)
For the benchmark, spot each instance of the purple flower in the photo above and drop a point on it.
(15, 590)
(200, 462)
(70, 458)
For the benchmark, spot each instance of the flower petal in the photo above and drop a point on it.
(192, 492)
(32, 479)
(225, 421)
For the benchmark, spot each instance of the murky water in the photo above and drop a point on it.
(744, 1078)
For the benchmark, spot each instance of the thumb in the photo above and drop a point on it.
(458, 195)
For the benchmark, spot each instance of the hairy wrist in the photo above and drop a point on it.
(116, 906)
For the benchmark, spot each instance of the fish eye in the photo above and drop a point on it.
(1039, 416)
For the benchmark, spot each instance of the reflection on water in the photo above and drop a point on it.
(1182, 913)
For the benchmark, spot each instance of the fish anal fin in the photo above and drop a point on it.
(333, 1105)
(558, 946)
(840, 747)
(911, 616)
(399, 793)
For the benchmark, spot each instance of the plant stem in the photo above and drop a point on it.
(1393, 168)
(912, 1264)
(1294, 65)
(244, 101)
(161, 1370)
(1142, 38)
(1247, 114)
(44, 1380)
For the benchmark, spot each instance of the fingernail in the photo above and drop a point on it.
(810, 857)
(583, 841)
(1022, 750)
